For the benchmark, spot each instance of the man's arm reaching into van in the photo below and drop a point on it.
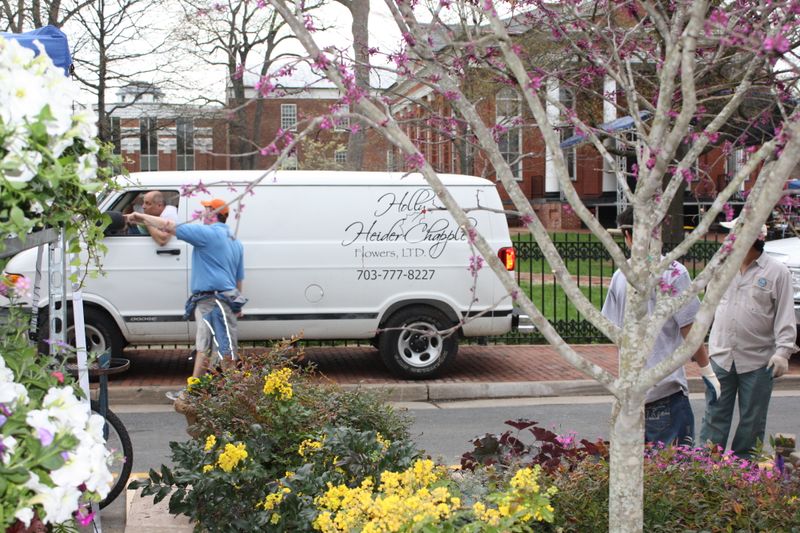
(166, 226)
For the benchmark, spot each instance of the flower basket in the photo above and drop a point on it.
(185, 408)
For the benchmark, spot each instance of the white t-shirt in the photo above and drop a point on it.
(170, 212)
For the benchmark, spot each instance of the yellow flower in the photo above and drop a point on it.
(232, 456)
(277, 384)
(309, 446)
(274, 499)
(208, 468)
(211, 441)
(383, 442)
(191, 381)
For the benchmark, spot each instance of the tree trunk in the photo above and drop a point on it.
(359, 10)
(626, 492)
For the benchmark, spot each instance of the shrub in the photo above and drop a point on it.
(258, 422)
(231, 402)
(685, 489)
(548, 449)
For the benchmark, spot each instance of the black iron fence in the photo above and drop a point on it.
(591, 266)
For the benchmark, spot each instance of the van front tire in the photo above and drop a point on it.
(412, 345)
(101, 332)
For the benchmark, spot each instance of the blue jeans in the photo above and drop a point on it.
(669, 420)
(754, 390)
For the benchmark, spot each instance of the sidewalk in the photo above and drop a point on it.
(478, 372)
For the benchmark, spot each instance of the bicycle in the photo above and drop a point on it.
(114, 431)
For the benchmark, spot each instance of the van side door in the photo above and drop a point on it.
(144, 282)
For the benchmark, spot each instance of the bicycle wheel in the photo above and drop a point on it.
(119, 443)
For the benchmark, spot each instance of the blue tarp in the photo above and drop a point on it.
(794, 184)
(54, 42)
(620, 124)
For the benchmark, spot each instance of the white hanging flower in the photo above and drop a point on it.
(13, 394)
(58, 502)
(24, 515)
(87, 167)
(8, 445)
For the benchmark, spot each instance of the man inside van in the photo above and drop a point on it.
(216, 280)
(153, 204)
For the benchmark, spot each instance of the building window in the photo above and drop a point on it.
(341, 123)
(736, 160)
(508, 110)
(390, 163)
(288, 117)
(568, 130)
(184, 136)
(148, 144)
(340, 157)
(116, 134)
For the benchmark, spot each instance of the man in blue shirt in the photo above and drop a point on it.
(216, 280)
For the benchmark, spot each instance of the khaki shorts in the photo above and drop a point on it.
(204, 338)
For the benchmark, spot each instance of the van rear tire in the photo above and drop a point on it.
(101, 332)
(408, 352)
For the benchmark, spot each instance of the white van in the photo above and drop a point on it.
(328, 255)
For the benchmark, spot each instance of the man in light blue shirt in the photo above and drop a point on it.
(216, 280)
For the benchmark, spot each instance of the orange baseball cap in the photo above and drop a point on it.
(216, 203)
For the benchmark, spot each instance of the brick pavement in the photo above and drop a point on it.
(362, 365)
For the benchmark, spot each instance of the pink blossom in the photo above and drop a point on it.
(270, 149)
(84, 519)
(58, 375)
(728, 211)
(475, 264)
(526, 219)
(415, 161)
(238, 73)
(309, 23)
(326, 124)
(779, 44)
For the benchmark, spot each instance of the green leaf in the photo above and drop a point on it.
(154, 477)
(17, 216)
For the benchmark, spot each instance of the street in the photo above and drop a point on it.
(443, 430)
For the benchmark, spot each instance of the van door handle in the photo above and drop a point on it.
(170, 251)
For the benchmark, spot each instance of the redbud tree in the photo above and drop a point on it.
(693, 76)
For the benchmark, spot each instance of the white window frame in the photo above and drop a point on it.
(289, 117)
(341, 123)
(736, 159)
(567, 130)
(184, 157)
(509, 100)
(148, 151)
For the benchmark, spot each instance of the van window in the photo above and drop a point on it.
(132, 201)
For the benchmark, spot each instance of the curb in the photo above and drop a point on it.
(440, 392)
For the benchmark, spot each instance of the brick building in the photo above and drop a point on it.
(152, 135)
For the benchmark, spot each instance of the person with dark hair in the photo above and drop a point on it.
(216, 280)
(751, 340)
(668, 414)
